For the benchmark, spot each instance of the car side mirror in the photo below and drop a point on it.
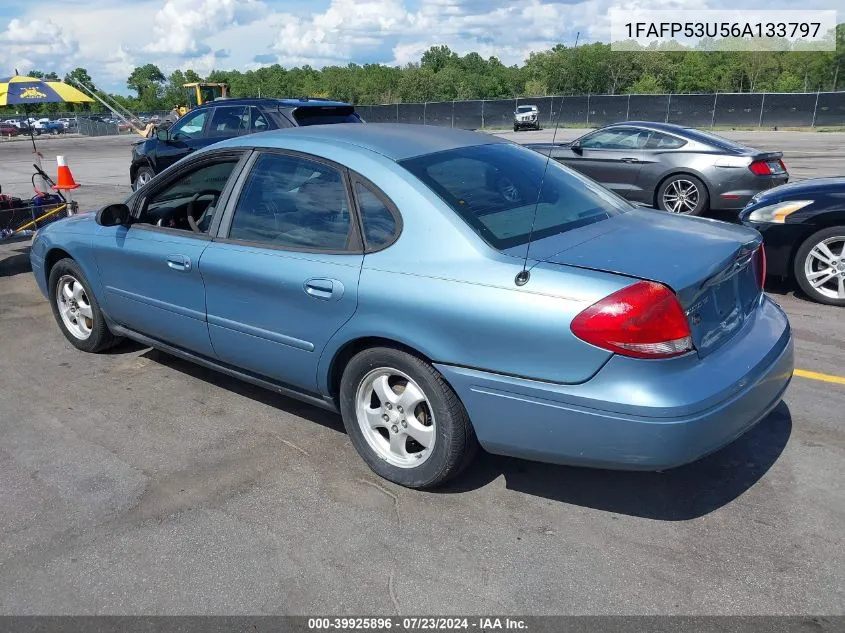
(113, 215)
(163, 135)
(575, 146)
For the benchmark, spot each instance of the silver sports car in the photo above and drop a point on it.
(670, 167)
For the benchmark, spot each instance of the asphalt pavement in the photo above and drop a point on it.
(136, 483)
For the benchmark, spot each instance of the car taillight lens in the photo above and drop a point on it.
(644, 320)
(760, 263)
(760, 168)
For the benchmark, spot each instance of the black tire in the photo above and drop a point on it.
(101, 337)
(516, 128)
(800, 263)
(703, 197)
(455, 443)
(146, 172)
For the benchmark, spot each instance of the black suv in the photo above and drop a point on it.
(227, 118)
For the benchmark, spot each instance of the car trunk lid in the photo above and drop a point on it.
(711, 266)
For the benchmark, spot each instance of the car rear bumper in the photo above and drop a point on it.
(521, 124)
(735, 198)
(634, 414)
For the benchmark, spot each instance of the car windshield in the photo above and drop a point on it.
(524, 109)
(317, 115)
(495, 188)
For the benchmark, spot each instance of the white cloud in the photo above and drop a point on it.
(181, 26)
(31, 44)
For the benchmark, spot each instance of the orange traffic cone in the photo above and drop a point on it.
(65, 180)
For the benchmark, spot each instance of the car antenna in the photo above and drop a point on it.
(524, 275)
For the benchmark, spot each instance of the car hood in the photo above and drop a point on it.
(801, 189)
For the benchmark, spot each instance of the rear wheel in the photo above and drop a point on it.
(819, 266)
(76, 308)
(404, 420)
(683, 194)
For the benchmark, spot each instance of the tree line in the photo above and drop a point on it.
(443, 75)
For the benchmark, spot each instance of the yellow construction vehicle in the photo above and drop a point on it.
(200, 92)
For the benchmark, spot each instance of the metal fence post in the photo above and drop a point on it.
(762, 103)
(425, 107)
(815, 107)
(668, 103)
(588, 109)
(397, 113)
(483, 101)
(453, 113)
(713, 118)
(628, 108)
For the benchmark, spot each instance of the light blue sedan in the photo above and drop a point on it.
(439, 288)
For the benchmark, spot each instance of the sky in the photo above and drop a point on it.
(111, 37)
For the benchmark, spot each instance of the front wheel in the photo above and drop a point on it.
(683, 194)
(76, 308)
(142, 177)
(819, 266)
(403, 418)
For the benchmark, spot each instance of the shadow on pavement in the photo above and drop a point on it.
(265, 396)
(16, 264)
(680, 494)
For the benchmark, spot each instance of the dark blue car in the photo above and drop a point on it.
(223, 119)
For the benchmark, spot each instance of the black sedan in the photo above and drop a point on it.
(803, 226)
(671, 167)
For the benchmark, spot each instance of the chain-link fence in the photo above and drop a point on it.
(747, 109)
(85, 123)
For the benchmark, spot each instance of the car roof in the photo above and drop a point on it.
(654, 125)
(284, 103)
(396, 141)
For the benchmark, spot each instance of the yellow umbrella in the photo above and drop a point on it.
(22, 90)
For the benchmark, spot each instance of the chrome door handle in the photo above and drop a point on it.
(630, 160)
(179, 262)
(325, 289)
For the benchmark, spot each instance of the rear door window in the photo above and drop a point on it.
(228, 121)
(293, 202)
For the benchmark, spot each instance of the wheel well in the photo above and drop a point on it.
(672, 175)
(353, 347)
(53, 256)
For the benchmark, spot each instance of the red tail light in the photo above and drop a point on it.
(644, 320)
(761, 168)
(760, 261)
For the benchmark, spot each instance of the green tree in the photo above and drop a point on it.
(148, 82)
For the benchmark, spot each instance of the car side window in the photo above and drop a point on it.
(664, 141)
(378, 222)
(258, 122)
(293, 202)
(196, 193)
(227, 121)
(626, 138)
(189, 126)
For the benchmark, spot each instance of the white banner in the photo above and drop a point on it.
(723, 29)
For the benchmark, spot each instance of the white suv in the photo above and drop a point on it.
(526, 117)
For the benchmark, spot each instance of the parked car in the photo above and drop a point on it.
(526, 117)
(673, 168)
(378, 271)
(46, 126)
(803, 225)
(218, 120)
(7, 129)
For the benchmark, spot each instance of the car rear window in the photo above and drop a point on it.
(316, 115)
(495, 189)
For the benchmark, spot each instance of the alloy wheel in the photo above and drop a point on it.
(74, 307)
(824, 267)
(395, 417)
(681, 196)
